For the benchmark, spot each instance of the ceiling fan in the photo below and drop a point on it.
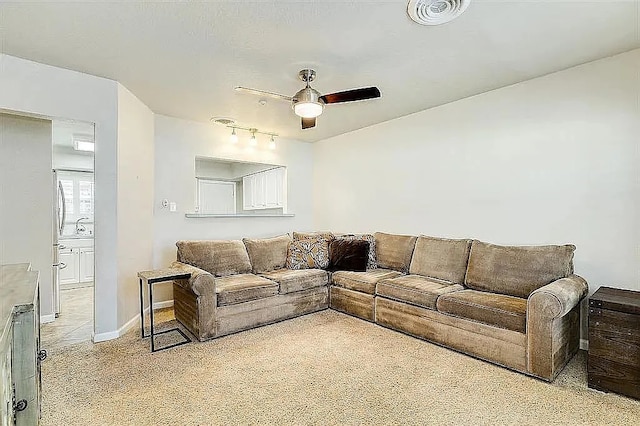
(308, 103)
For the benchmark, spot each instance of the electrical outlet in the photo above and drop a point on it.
(173, 207)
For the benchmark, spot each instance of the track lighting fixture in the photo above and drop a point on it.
(233, 138)
(253, 140)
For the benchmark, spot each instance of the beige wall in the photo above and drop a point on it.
(135, 199)
(550, 160)
(33, 88)
(177, 143)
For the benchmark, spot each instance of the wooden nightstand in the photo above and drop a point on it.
(614, 341)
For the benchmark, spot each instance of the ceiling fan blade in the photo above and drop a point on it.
(308, 123)
(351, 95)
(262, 93)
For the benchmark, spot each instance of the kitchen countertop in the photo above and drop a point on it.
(76, 237)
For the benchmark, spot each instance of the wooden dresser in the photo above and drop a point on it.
(614, 341)
(20, 354)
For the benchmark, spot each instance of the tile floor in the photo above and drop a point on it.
(75, 323)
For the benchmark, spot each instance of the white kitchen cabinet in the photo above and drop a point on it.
(216, 197)
(264, 190)
(69, 272)
(274, 187)
(247, 192)
(86, 264)
(78, 257)
(259, 196)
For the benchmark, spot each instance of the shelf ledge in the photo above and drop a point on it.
(204, 215)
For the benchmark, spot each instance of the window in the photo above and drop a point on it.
(79, 194)
(85, 190)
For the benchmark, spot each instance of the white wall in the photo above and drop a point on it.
(550, 160)
(135, 199)
(65, 158)
(26, 197)
(34, 88)
(177, 143)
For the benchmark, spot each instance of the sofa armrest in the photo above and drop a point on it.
(200, 283)
(556, 299)
(195, 301)
(553, 325)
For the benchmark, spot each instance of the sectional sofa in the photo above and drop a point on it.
(516, 306)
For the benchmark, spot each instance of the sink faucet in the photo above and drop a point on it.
(80, 227)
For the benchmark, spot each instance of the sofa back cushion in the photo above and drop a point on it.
(218, 257)
(306, 235)
(394, 251)
(517, 270)
(267, 254)
(441, 258)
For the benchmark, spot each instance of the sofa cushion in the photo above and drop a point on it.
(416, 289)
(364, 282)
(311, 253)
(307, 235)
(441, 258)
(372, 263)
(394, 251)
(267, 254)
(218, 257)
(517, 270)
(498, 310)
(292, 280)
(240, 288)
(348, 255)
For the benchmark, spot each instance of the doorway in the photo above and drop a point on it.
(73, 237)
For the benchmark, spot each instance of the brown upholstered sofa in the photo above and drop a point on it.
(237, 285)
(516, 306)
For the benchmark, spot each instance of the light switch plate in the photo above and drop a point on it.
(173, 207)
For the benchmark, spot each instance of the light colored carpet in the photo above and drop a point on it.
(324, 368)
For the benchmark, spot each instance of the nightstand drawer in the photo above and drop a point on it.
(614, 341)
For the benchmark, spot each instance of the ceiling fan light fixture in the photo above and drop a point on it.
(307, 103)
(308, 109)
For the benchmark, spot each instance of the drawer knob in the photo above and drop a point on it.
(20, 405)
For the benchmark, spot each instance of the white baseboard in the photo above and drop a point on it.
(133, 322)
(103, 337)
(45, 319)
(160, 305)
(584, 344)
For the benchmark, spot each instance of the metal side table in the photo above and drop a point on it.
(151, 278)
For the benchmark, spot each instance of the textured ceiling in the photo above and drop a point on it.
(184, 59)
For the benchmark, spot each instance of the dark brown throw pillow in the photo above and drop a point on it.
(348, 255)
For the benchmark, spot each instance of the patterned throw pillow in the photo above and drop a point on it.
(308, 254)
(372, 263)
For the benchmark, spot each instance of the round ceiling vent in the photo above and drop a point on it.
(436, 12)
(225, 121)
